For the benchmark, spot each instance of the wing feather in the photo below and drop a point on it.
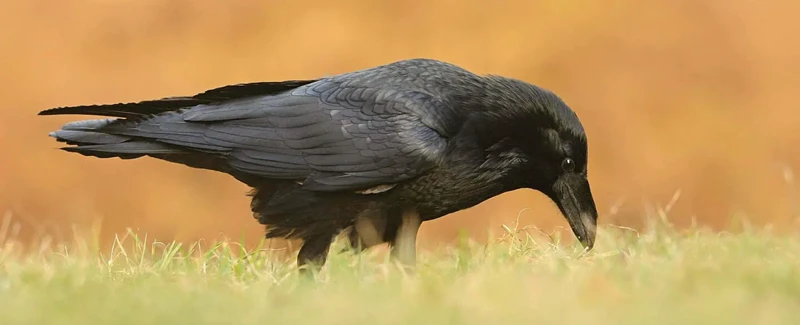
(325, 134)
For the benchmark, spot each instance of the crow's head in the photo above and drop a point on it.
(538, 142)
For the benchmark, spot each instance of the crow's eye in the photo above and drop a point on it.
(568, 164)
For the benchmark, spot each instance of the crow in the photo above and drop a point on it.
(370, 154)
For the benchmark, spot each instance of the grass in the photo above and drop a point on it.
(660, 276)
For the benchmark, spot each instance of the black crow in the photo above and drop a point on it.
(372, 153)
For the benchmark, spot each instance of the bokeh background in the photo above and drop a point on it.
(689, 97)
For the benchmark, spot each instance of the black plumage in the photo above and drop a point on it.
(373, 152)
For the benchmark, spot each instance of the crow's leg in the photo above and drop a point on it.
(405, 241)
(368, 230)
(314, 252)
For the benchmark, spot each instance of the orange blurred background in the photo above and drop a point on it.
(691, 96)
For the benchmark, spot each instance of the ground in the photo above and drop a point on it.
(657, 276)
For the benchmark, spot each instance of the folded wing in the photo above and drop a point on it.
(327, 135)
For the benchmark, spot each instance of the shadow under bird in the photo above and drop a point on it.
(371, 153)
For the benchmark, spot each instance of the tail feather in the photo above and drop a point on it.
(90, 138)
(86, 125)
(93, 142)
(125, 150)
(107, 139)
(81, 137)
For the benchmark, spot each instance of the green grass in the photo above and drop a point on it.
(657, 277)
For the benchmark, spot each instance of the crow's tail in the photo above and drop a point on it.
(93, 137)
(88, 138)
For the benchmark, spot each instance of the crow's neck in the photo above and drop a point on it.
(471, 175)
(460, 187)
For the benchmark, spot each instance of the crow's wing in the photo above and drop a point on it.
(158, 106)
(329, 135)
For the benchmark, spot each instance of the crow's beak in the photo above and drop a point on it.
(573, 196)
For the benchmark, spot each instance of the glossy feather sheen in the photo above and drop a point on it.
(416, 133)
